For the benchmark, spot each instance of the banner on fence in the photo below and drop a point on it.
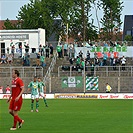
(68, 82)
(91, 83)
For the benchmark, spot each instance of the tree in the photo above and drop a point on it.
(128, 38)
(42, 14)
(8, 25)
(111, 18)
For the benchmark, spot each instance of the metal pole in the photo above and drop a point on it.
(70, 71)
(119, 84)
(131, 71)
(106, 70)
(59, 71)
(49, 82)
(84, 80)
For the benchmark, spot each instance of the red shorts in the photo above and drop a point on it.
(15, 105)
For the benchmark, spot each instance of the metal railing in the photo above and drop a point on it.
(102, 71)
(50, 68)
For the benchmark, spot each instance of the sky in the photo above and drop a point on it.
(9, 9)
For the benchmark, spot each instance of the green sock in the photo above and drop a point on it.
(37, 105)
(45, 101)
(32, 106)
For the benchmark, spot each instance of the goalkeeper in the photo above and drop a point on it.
(108, 88)
(42, 90)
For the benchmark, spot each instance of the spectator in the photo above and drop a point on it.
(41, 50)
(71, 61)
(8, 89)
(9, 59)
(51, 50)
(114, 63)
(65, 49)
(123, 62)
(78, 60)
(27, 48)
(38, 59)
(8, 50)
(80, 54)
(104, 59)
(20, 49)
(42, 60)
(47, 50)
(26, 61)
(82, 65)
(58, 49)
(3, 59)
(71, 50)
(111, 58)
(1, 89)
(88, 56)
(92, 69)
(97, 63)
(13, 50)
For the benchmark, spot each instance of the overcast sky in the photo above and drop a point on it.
(9, 9)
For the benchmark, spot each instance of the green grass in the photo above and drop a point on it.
(72, 116)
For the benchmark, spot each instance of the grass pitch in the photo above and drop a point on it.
(72, 116)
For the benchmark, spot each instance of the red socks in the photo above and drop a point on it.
(16, 119)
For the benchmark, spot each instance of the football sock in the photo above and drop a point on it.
(45, 101)
(37, 105)
(15, 121)
(18, 119)
(32, 106)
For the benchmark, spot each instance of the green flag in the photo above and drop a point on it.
(99, 49)
(124, 48)
(11, 43)
(105, 49)
(118, 49)
(93, 49)
(91, 83)
(111, 49)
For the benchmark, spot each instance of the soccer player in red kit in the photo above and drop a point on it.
(15, 99)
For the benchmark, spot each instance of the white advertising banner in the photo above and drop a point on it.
(79, 95)
(25, 96)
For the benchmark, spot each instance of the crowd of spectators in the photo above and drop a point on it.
(107, 59)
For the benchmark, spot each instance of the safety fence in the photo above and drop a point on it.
(26, 73)
(72, 81)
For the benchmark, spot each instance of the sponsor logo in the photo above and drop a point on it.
(103, 97)
(87, 96)
(128, 97)
(6, 96)
(114, 96)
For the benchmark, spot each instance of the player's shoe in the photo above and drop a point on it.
(31, 111)
(46, 105)
(13, 128)
(20, 124)
(37, 110)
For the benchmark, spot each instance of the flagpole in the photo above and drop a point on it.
(84, 79)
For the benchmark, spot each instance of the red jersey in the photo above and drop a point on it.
(16, 87)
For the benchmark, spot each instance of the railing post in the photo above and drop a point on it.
(49, 82)
(119, 71)
(59, 71)
(84, 81)
(70, 71)
(131, 71)
(107, 71)
(119, 84)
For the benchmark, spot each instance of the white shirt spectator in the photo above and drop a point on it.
(123, 60)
